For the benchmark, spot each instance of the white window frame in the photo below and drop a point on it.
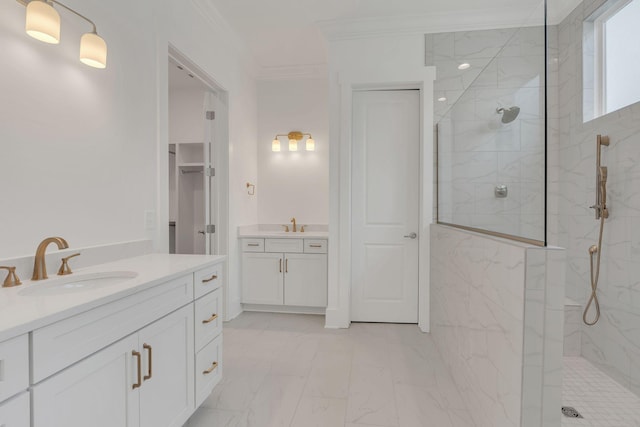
(600, 55)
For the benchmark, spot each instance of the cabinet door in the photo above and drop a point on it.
(96, 392)
(15, 412)
(167, 392)
(305, 280)
(262, 278)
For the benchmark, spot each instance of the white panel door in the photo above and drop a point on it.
(385, 206)
(305, 280)
(262, 278)
(96, 392)
(167, 392)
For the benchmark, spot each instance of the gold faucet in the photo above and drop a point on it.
(40, 266)
(293, 220)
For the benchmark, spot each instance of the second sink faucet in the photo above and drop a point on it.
(293, 220)
(40, 265)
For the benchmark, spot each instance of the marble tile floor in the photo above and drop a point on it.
(597, 397)
(288, 370)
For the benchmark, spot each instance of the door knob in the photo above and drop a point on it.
(411, 236)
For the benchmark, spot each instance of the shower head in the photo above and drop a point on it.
(508, 114)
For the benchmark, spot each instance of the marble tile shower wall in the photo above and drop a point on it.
(478, 151)
(614, 343)
(493, 302)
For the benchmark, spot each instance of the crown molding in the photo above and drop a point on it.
(208, 10)
(468, 20)
(293, 72)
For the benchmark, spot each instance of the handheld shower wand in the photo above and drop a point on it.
(602, 213)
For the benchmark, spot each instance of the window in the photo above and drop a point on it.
(611, 54)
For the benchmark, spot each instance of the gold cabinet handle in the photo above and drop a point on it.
(280, 265)
(210, 319)
(286, 265)
(138, 356)
(150, 360)
(214, 277)
(211, 369)
(315, 246)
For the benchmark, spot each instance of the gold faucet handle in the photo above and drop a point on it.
(286, 228)
(64, 268)
(12, 278)
(302, 228)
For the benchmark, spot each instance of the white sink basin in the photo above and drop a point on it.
(77, 283)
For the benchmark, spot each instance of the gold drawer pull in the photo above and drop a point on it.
(211, 369)
(210, 319)
(315, 246)
(138, 356)
(253, 244)
(150, 360)
(214, 277)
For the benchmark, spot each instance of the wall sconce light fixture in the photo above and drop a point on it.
(43, 23)
(294, 138)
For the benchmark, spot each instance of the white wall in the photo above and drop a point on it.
(376, 62)
(78, 144)
(293, 183)
(81, 147)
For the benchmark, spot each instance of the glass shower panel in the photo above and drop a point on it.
(491, 131)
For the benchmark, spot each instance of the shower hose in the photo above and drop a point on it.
(595, 275)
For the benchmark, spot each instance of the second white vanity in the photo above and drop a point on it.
(141, 348)
(284, 271)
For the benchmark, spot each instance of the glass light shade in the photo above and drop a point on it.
(43, 22)
(275, 145)
(293, 145)
(311, 144)
(93, 50)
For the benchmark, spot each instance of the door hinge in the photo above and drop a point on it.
(211, 228)
(211, 115)
(210, 171)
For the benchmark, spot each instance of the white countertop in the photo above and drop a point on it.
(23, 313)
(275, 232)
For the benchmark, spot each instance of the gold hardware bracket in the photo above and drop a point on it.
(150, 360)
(12, 278)
(211, 369)
(211, 319)
(64, 268)
(297, 135)
(251, 189)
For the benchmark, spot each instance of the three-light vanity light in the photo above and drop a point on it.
(294, 138)
(43, 23)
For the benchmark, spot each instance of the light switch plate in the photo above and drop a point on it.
(149, 220)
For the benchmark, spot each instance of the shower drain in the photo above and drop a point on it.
(570, 412)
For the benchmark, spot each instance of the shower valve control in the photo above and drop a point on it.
(501, 191)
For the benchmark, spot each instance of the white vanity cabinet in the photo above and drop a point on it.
(290, 272)
(142, 380)
(14, 381)
(15, 411)
(146, 360)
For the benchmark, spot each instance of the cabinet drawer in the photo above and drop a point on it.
(14, 366)
(283, 245)
(208, 369)
(208, 317)
(207, 280)
(63, 343)
(252, 245)
(315, 246)
(16, 412)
